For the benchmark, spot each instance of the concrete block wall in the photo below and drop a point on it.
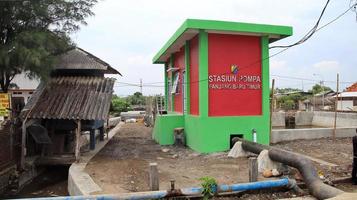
(315, 133)
(326, 119)
(317, 118)
(278, 119)
(303, 118)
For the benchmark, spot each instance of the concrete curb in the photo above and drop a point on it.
(79, 182)
(283, 135)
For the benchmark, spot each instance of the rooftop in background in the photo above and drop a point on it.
(76, 97)
(78, 59)
(347, 94)
(191, 27)
(352, 88)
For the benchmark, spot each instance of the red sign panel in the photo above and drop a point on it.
(234, 81)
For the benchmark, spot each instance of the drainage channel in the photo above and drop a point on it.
(51, 182)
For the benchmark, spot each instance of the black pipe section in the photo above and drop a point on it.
(305, 166)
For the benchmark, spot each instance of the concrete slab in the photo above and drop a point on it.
(79, 182)
(237, 151)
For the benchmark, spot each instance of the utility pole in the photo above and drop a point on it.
(272, 105)
(336, 103)
(323, 94)
(141, 86)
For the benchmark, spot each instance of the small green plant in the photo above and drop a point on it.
(209, 186)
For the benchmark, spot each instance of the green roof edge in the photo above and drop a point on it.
(283, 31)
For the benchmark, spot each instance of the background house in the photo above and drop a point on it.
(347, 100)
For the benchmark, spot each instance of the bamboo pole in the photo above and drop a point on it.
(336, 103)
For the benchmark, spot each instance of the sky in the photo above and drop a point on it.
(128, 33)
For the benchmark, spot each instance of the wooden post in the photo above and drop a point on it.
(271, 107)
(23, 144)
(336, 104)
(77, 145)
(253, 169)
(154, 177)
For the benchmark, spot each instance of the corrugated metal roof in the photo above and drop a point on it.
(78, 58)
(347, 94)
(73, 97)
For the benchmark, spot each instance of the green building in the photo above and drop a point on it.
(217, 83)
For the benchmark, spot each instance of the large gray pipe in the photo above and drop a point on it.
(305, 166)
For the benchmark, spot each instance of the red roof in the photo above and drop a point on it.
(352, 88)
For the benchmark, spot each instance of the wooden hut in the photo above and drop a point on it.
(68, 109)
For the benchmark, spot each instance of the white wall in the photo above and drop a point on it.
(25, 94)
(345, 105)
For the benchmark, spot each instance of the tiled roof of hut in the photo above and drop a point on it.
(72, 97)
(77, 59)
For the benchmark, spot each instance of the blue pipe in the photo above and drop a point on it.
(285, 182)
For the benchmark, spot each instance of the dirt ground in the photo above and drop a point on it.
(122, 166)
(337, 152)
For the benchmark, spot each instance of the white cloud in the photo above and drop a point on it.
(326, 65)
(139, 59)
(278, 64)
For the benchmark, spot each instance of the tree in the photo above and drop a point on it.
(317, 88)
(136, 99)
(290, 98)
(33, 33)
(119, 105)
(287, 90)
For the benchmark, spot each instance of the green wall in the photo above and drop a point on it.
(163, 132)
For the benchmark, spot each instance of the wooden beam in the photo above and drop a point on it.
(77, 145)
(154, 177)
(23, 144)
(56, 160)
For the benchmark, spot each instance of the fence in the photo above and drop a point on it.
(10, 145)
